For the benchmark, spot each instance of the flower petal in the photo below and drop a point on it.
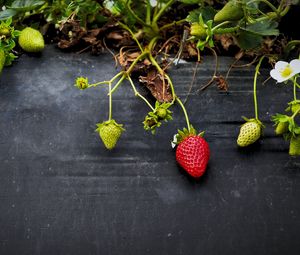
(173, 143)
(295, 65)
(281, 65)
(275, 74)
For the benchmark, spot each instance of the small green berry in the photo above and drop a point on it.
(31, 40)
(250, 132)
(281, 128)
(110, 132)
(161, 112)
(82, 83)
(4, 31)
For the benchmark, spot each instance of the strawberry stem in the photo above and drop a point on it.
(136, 93)
(295, 113)
(132, 34)
(185, 113)
(164, 75)
(110, 103)
(295, 88)
(254, 86)
(161, 11)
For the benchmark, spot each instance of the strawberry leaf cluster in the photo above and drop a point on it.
(287, 127)
(8, 36)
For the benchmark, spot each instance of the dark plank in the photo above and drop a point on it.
(62, 193)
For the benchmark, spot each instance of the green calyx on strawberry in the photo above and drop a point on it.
(154, 118)
(198, 30)
(250, 132)
(192, 152)
(295, 146)
(110, 132)
(231, 11)
(31, 40)
(82, 83)
(4, 31)
(293, 106)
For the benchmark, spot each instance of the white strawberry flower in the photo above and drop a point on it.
(284, 70)
(174, 141)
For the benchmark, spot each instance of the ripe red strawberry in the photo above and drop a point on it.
(192, 152)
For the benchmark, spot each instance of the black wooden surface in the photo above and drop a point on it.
(62, 193)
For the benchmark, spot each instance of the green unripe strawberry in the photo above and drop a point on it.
(161, 112)
(295, 146)
(31, 40)
(110, 132)
(2, 59)
(198, 30)
(231, 11)
(250, 132)
(281, 128)
(4, 31)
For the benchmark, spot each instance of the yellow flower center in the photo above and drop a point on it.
(286, 71)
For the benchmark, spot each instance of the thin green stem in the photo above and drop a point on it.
(98, 83)
(148, 14)
(127, 73)
(295, 88)
(185, 113)
(136, 93)
(127, 5)
(133, 35)
(151, 44)
(110, 102)
(274, 9)
(290, 46)
(163, 74)
(285, 10)
(117, 84)
(162, 10)
(220, 25)
(226, 30)
(106, 82)
(135, 62)
(254, 86)
(295, 113)
(173, 24)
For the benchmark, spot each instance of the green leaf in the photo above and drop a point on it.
(248, 40)
(280, 118)
(263, 28)
(26, 5)
(6, 14)
(207, 13)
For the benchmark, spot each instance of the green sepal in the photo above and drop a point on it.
(253, 120)
(293, 106)
(184, 133)
(105, 123)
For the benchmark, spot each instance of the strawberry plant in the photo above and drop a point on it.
(147, 51)
(286, 125)
(142, 35)
(8, 36)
